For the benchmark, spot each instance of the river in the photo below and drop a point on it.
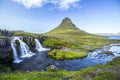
(40, 61)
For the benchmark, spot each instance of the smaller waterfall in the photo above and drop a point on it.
(24, 50)
(39, 46)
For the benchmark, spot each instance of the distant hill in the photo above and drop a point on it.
(108, 34)
(67, 27)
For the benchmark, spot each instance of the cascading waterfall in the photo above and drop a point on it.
(16, 59)
(24, 50)
(39, 46)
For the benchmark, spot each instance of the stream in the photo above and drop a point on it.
(40, 61)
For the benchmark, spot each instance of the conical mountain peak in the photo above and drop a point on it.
(67, 27)
(67, 23)
(66, 20)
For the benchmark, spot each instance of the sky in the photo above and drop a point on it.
(39, 16)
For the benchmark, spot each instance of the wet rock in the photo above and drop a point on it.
(108, 52)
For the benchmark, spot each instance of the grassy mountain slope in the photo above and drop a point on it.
(68, 28)
(68, 32)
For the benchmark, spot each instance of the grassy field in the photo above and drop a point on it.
(25, 34)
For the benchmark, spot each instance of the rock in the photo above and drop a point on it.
(5, 50)
(51, 68)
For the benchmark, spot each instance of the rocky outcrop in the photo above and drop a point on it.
(5, 50)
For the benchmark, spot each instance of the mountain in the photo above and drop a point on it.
(67, 27)
(68, 35)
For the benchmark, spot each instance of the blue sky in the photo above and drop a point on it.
(94, 16)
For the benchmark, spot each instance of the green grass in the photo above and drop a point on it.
(2, 37)
(25, 34)
(77, 42)
(107, 76)
(57, 54)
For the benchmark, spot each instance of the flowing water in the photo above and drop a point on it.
(24, 50)
(40, 61)
(39, 46)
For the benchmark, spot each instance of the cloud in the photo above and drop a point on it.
(66, 4)
(31, 3)
(61, 4)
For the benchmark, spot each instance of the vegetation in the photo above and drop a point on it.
(107, 76)
(25, 34)
(57, 54)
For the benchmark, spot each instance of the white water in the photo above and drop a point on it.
(115, 50)
(16, 59)
(99, 55)
(39, 46)
(24, 50)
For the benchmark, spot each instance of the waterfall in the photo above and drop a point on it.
(16, 59)
(24, 50)
(39, 46)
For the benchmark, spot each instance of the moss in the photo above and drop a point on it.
(57, 54)
(4, 68)
(2, 37)
(107, 76)
(115, 61)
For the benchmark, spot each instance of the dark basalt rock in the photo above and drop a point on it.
(5, 50)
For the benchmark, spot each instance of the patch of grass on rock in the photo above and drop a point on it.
(61, 55)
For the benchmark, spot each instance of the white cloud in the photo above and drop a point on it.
(62, 4)
(65, 4)
(31, 3)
